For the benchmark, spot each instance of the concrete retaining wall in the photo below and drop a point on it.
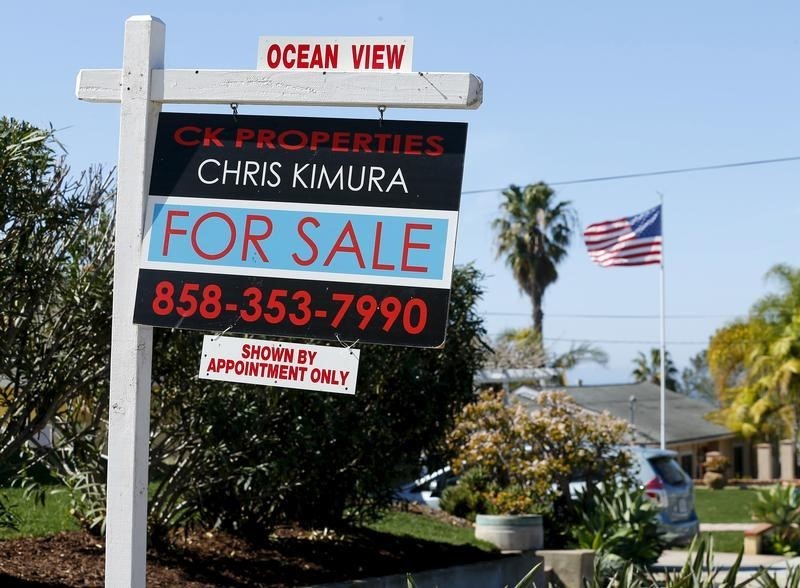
(506, 571)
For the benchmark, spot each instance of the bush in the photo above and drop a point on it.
(55, 274)
(467, 497)
(780, 507)
(246, 458)
(530, 455)
(620, 523)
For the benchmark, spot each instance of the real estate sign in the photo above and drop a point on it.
(303, 227)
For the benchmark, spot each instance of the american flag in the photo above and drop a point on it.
(633, 240)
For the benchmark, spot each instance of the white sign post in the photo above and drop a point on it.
(141, 87)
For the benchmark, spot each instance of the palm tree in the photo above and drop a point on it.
(777, 368)
(534, 233)
(523, 348)
(780, 307)
(696, 379)
(649, 370)
(756, 363)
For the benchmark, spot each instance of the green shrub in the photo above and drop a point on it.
(620, 523)
(8, 518)
(466, 498)
(247, 458)
(780, 507)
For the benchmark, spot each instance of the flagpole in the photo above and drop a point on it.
(663, 334)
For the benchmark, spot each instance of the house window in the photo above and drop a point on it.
(687, 463)
(738, 461)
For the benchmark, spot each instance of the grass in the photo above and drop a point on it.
(729, 505)
(425, 528)
(36, 520)
(725, 541)
(39, 521)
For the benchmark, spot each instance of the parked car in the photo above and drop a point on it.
(428, 488)
(655, 470)
(672, 489)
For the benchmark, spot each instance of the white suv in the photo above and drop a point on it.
(666, 484)
(656, 470)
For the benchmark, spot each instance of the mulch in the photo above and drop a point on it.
(290, 557)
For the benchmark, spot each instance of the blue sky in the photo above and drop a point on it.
(572, 90)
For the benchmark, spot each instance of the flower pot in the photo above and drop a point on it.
(511, 532)
(715, 480)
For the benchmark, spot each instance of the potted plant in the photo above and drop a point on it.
(516, 462)
(716, 468)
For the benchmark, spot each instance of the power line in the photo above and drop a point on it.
(653, 173)
(615, 316)
(623, 341)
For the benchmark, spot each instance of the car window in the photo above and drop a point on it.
(668, 470)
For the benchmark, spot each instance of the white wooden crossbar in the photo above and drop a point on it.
(293, 88)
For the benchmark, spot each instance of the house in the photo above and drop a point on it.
(688, 432)
(541, 377)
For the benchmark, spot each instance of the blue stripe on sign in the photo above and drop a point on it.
(299, 240)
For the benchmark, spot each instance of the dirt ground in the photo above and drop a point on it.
(291, 557)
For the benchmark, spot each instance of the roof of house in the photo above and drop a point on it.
(685, 422)
(543, 376)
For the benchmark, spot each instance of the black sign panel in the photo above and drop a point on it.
(402, 164)
(416, 317)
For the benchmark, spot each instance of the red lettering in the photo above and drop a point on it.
(408, 244)
(341, 141)
(309, 241)
(317, 138)
(244, 135)
(413, 145)
(382, 138)
(358, 52)
(395, 55)
(316, 58)
(288, 62)
(435, 146)
(210, 136)
(377, 251)
(265, 137)
(254, 239)
(361, 142)
(302, 56)
(273, 56)
(331, 56)
(354, 248)
(170, 231)
(302, 140)
(231, 241)
(180, 140)
(377, 56)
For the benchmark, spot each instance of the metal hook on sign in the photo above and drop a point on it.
(381, 110)
(348, 347)
(235, 109)
(222, 333)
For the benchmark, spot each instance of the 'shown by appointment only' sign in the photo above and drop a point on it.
(307, 227)
(278, 363)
